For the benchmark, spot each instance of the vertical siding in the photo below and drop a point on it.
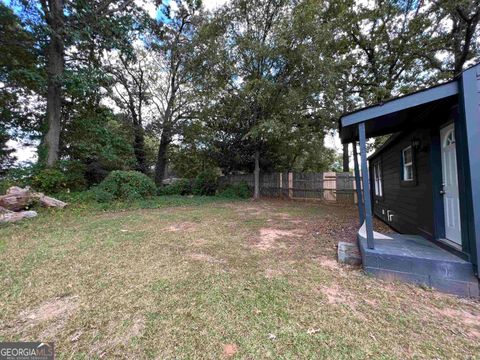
(411, 204)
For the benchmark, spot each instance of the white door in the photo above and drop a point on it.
(451, 203)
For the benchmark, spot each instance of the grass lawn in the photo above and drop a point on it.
(204, 278)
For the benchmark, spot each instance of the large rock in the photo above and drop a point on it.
(16, 216)
(48, 201)
(348, 253)
(16, 199)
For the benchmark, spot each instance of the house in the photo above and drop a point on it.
(424, 182)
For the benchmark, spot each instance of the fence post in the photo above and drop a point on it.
(290, 185)
(329, 186)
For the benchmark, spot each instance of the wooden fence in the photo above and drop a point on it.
(327, 186)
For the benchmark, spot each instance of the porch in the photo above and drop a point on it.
(410, 257)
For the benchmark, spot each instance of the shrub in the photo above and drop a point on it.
(17, 176)
(205, 184)
(124, 185)
(68, 175)
(179, 187)
(239, 191)
(49, 180)
(74, 172)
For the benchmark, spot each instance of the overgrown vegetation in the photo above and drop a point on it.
(240, 191)
(178, 187)
(125, 185)
(205, 183)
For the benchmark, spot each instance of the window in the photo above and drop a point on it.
(449, 139)
(407, 160)
(377, 176)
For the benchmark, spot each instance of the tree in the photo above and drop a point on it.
(257, 69)
(53, 12)
(172, 46)
(62, 29)
(382, 46)
(456, 36)
(264, 90)
(130, 93)
(20, 80)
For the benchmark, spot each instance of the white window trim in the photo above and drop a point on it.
(407, 165)
(377, 175)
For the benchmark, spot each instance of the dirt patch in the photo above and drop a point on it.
(55, 308)
(297, 222)
(341, 297)
(273, 273)
(56, 311)
(328, 263)
(119, 335)
(229, 350)
(199, 241)
(334, 294)
(137, 327)
(183, 226)
(469, 319)
(206, 258)
(269, 237)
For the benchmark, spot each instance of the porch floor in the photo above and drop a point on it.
(414, 259)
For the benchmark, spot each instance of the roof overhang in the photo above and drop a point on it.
(394, 115)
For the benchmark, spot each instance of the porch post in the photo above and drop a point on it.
(358, 186)
(470, 149)
(366, 186)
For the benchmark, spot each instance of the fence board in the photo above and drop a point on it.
(327, 186)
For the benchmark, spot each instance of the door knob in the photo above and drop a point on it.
(442, 192)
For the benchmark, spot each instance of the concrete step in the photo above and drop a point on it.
(416, 260)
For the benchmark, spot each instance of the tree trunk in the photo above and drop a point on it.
(256, 175)
(346, 160)
(139, 149)
(55, 69)
(161, 164)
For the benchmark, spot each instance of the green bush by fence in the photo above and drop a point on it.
(124, 185)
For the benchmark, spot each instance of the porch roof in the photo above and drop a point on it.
(399, 113)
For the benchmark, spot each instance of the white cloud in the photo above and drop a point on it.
(149, 7)
(213, 4)
(22, 152)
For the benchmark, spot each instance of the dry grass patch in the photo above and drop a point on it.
(51, 315)
(119, 335)
(268, 238)
(183, 226)
(206, 258)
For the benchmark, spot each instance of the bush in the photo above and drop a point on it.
(205, 184)
(179, 187)
(74, 172)
(239, 191)
(49, 180)
(18, 176)
(124, 185)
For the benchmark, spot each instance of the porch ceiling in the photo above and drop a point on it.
(400, 113)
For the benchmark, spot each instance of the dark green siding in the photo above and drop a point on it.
(411, 203)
